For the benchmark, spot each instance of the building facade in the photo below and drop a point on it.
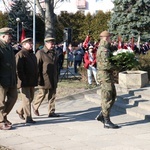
(85, 6)
(72, 6)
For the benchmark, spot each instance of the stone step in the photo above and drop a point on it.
(119, 90)
(126, 103)
(132, 111)
(127, 99)
(135, 101)
(144, 94)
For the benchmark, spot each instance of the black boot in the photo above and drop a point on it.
(100, 117)
(108, 124)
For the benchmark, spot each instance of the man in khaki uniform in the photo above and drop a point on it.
(8, 88)
(26, 63)
(104, 75)
(47, 60)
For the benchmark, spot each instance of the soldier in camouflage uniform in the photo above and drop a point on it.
(104, 76)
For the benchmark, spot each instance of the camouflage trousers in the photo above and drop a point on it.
(108, 96)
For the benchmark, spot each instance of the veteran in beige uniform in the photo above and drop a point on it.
(104, 76)
(47, 60)
(26, 63)
(8, 88)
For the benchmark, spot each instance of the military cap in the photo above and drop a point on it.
(26, 40)
(5, 30)
(49, 39)
(104, 34)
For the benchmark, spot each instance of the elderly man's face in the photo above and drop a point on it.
(28, 45)
(50, 45)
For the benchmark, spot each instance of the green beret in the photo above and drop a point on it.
(5, 30)
(49, 39)
(26, 40)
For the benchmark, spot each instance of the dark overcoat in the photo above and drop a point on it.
(7, 66)
(47, 61)
(27, 71)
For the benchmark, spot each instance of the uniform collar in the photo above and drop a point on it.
(46, 50)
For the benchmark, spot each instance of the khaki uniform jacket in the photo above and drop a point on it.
(7, 66)
(47, 68)
(27, 71)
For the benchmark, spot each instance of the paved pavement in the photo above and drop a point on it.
(76, 129)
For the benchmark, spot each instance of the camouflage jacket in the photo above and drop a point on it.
(104, 65)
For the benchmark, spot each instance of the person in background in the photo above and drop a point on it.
(70, 55)
(78, 57)
(8, 83)
(39, 48)
(60, 54)
(26, 63)
(90, 65)
(104, 75)
(114, 46)
(17, 47)
(47, 60)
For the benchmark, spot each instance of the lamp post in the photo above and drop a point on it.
(34, 27)
(17, 20)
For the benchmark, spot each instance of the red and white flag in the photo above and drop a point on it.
(64, 48)
(86, 42)
(132, 43)
(138, 42)
(119, 42)
(23, 36)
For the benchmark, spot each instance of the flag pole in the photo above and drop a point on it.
(34, 28)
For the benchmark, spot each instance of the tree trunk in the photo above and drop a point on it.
(49, 18)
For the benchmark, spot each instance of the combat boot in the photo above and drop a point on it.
(100, 117)
(108, 124)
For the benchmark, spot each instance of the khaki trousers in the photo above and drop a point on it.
(6, 105)
(51, 99)
(27, 95)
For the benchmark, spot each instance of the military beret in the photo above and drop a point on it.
(5, 30)
(26, 40)
(49, 39)
(104, 34)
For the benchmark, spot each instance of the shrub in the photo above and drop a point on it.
(144, 63)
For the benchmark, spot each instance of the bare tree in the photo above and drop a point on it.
(48, 15)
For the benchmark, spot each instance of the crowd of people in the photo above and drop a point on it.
(82, 55)
(23, 70)
(138, 48)
(85, 55)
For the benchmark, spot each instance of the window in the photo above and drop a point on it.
(81, 4)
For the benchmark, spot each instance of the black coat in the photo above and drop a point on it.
(26, 69)
(7, 66)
